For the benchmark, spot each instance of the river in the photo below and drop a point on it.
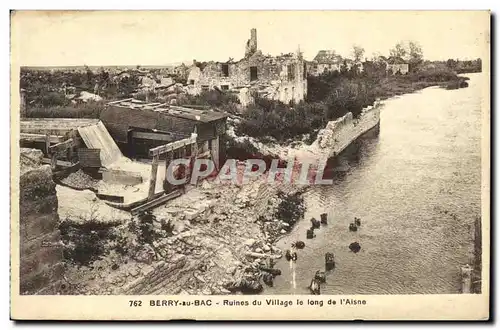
(416, 188)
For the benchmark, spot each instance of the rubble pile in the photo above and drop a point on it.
(80, 180)
(214, 239)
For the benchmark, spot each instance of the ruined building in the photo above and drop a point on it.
(282, 78)
(137, 125)
(325, 61)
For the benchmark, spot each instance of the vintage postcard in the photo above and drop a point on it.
(250, 165)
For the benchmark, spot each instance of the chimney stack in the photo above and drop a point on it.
(253, 37)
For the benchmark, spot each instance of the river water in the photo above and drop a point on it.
(416, 188)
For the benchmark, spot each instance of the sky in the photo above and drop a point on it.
(161, 38)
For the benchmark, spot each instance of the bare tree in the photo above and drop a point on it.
(399, 50)
(358, 52)
(416, 55)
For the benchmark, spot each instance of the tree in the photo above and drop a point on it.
(376, 56)
(344, 68)
(358, 53)
(416, 55)
(399, 50)
(90, 75)
(451, 64)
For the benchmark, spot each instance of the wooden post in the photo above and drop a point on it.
(194, 154)
(70, 154)
(53, 161)
(152, 179)
(466, 279)
(214, 151)
(182, 155)
(168, 160)
(47, 144)
(194, 149)
(182, 152)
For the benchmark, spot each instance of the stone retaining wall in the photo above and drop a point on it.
(40, 256)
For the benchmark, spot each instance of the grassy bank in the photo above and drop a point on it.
(331, 96)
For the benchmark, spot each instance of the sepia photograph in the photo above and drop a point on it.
(232, 155)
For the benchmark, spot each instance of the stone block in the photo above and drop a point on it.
(121, 177)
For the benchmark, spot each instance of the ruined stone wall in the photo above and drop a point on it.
(40, 257)
(280, 78)
(394, 68)
(339, 134)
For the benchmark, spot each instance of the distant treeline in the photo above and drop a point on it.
(55, 88)
(465, 66)
(330, 96)
(58, 87)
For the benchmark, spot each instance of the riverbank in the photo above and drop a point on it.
(417, 189)
(339, 108)
(215, 239)
(330, 141)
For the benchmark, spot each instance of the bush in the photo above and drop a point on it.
(53, 99)
(147, 233)
(84, 110)
(291, 208)
(225, 101)
(85, 242)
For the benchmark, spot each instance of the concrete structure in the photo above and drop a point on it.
(397, 65)
(61, 139)
(280, 78)
(135, 125)
(57, 138)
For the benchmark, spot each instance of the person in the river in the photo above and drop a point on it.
(353, 227)
(324, 219)
(290, 255)
(299, 245)
(329, 261)
(320, 276)
(267, 279)
(357, 221)
(355, 247)
(315, 286)
(315, 224)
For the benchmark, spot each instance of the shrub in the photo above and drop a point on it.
(225, 101)
(291, 208)
(84, 110)
(85, 241)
